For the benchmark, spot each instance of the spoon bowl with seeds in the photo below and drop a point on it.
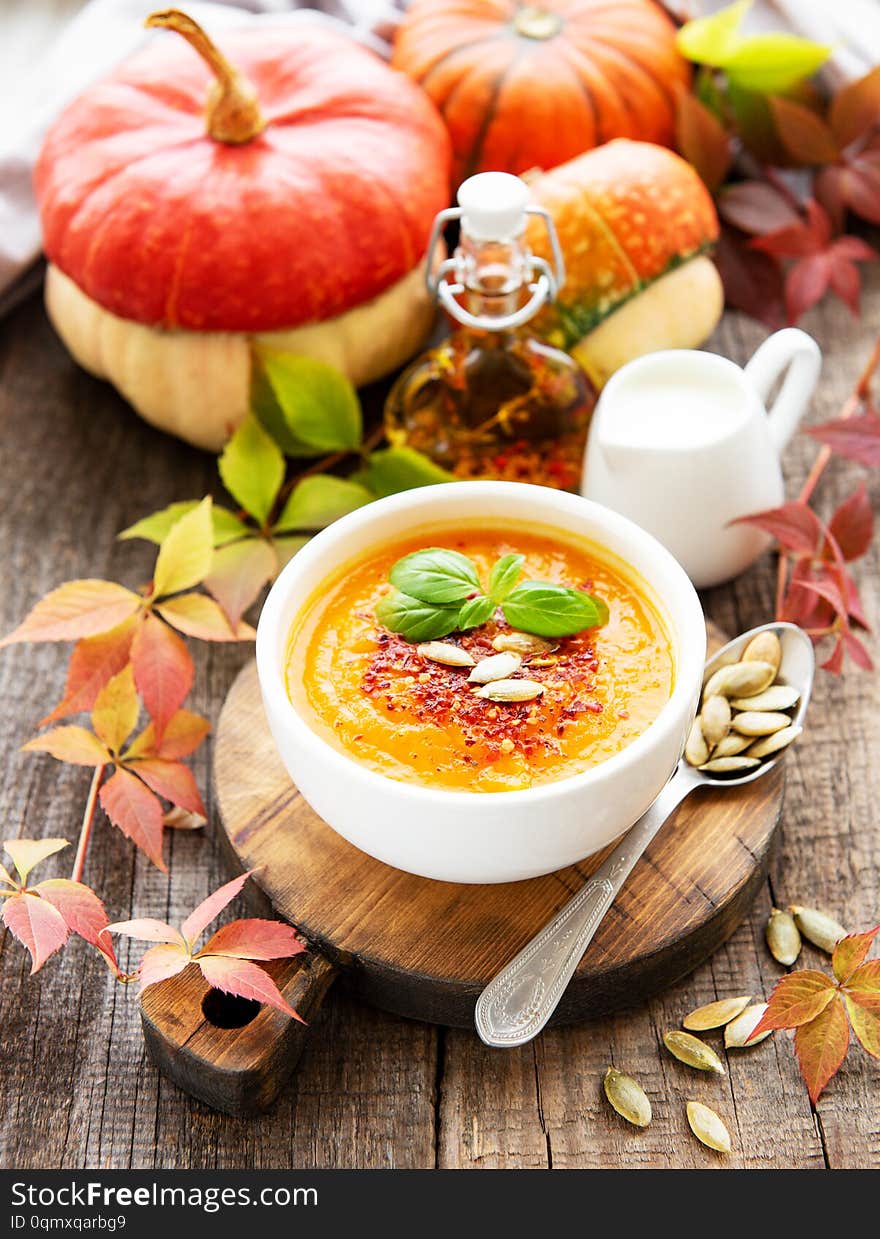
(755, 695)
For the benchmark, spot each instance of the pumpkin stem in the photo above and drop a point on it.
(232, 110)
(533, 22)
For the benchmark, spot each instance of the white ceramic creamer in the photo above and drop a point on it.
(681, 442)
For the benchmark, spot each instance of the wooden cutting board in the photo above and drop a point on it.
(426, 949)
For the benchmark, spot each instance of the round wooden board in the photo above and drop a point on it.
(426, 949)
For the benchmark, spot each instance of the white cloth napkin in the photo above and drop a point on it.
(98, 37)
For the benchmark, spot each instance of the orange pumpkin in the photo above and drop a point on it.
(530, 86)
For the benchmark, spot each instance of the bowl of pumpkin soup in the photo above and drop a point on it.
(481, 681)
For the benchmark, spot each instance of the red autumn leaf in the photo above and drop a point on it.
(854, 602)
(146, 928)
(163, 670)
(795, 1000)
(859, 185)
(199, 616)
(94, 661)
(800, 239)
(855, 108)
(805, 136)
(834, 662)
(855, 438)
(857, 652)
(755, 207)
(185, 552)
(70, 743)
(37, 925)
(752, 281)
(254, 939)
(162, 962)
(116, 710)
(182, 819)
(821, 1045)
(795, 526)
(238, 573)
(850, 952)
(245, 980)
(132, 807)
(202, 916)
(77, 609)
(171, 780)
(701, 139)
(26, 854)
(79, 906)
(852, 525)
(806, 284)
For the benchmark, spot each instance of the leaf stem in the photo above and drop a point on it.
(85, 832)
(327, 462)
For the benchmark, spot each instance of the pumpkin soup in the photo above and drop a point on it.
(423, 704)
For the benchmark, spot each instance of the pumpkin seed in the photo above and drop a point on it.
(715, 719)
(783, 937)
(497, 667)
(740, 680)
(627, 1097)
(765, 648)
(716, 1014)
(732, 744)
(776, 697)
(550, 661)
(759, 722)
(693, 1052)
(774, 743)
(729, 765)
(522, 643)
(510, 690)
(708, 1127)
(446, 653)
(696, 750)
(738, 1031)
(817, 927)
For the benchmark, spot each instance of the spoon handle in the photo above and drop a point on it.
(518, 1002)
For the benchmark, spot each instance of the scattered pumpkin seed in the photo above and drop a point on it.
(708, 1127)
(715, 719)
(496, 667)
(550, 661)
(759, 722)
(740, 680)
(776, 697)
(731, 745)
(817, 927)
(738, 1031)
(696, 750)
(522, 643)
(774, 743)
(511, 690)
(693, 1052)
(766, 648)
(730, 765)
(446, 653)
(627, 1097)
(783, 937)
(716, 1014)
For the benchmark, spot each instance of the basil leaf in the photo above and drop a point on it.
(476, 611)
(505, 575)
(415, 620)
(549, 610)
(436, 575)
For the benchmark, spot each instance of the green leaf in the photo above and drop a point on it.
(710, 40)
(773, 63)
(505, 575)
(252, 468)
(549, 610)
(269, 414)
(416, 620)
(476, 611)
(286, 548)
(436, 575)
(319, 407)
(185, 553)
(393, 469)
(318, 501)
(154, 528)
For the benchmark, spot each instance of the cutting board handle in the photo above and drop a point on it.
(229, 1052)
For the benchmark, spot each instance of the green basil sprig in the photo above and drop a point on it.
(437, 592)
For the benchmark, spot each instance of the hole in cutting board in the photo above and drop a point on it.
(228, 1010)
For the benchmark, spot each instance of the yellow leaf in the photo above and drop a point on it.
(185, 555)
(27, 853)
(116, 709)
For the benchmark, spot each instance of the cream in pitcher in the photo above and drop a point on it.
(682, 443)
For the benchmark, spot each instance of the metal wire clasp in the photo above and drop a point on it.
(543, 288)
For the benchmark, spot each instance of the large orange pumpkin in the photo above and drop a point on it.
(530, 86)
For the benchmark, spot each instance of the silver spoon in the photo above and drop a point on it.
(515, 1006)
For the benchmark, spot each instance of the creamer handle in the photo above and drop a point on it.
(792, 350)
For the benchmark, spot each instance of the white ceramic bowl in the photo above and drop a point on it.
(461, 836)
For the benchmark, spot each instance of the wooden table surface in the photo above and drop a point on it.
(372, 1090)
